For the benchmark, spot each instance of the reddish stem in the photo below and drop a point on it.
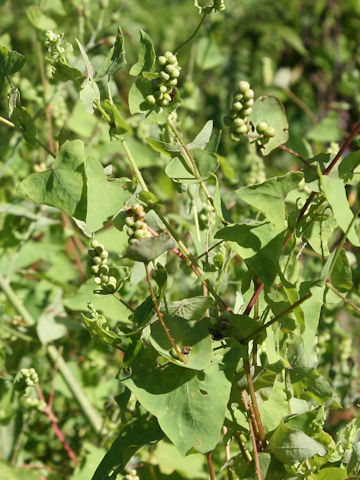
(54, 424)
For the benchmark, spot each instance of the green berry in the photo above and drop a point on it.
(104, 278)
(163, 88)
(168, 54)
(95, 269)
(249, 94)
(104, 255)
(164, 76)
(270, 132)
(162, 60)
(247, 112)
(103, 270)
(130, 221)
(237, 106)
(96, 260)
(172, 82)
(130, 231)
(170, 69)
(249, 103)
(262, 127)
(95, 243)
(243, 86)
(242, 129)
(151, 99)
(238, 122)
(97, 280)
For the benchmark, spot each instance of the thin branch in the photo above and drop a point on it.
(297, 155)
(188, 40)
(210, 466)
(276, 318)
(259, 424)
(160, 315)
(134, 165)
(241, 446)
(54, 424)
(253, 438)
(346, 300)
(254, 298)
(227, 454)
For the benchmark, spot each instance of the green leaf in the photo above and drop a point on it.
(341, 276)
(311, 310)
(219, 205)
(208, 54)
(147, 249)
(349, 169)
(138, 103)
(115, 59)
(193, 334)
(104, 197)
(118, 126)
(10, 61)
(86, 60)
(50, 325)
(25, 124)
(268, 109)
(39, 20)
(62, 186)
(146, 55)
(203, 137)
(177, 170)
(269, 196)
(92, 457)
(334, 191)
(9, 472)
(327, 130)
(190, 406)
(291, 446)
(331, 473)
(274, 408)
(137, 433)
(259, 244)
(191, 308)
(79, 188)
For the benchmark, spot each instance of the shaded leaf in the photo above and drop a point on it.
(191, 308)
(115, 59)
(147, 249)
(191, 334)
(146, 55)
(291, 446)
(190, 406)
(10, 61)
(334, 191)
(137, 433)
(269, 196)
(259, 244)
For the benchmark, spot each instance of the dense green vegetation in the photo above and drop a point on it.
(179, 243)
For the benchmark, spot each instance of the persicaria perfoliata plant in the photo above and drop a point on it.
(180, 245)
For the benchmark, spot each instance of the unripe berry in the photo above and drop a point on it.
(162, 60)
(164, 76)
(237, 106)
(262, 127)
(97, 280)
(242, 129)
(270, 132)
(151, 99)
(95, 269)
(248, 94)
(249, 103)
(104, 278)
(140, 224)
(130, 221)
(172, 82)
(170, 69)
(163, 88)
(103, 270)
(238, 122)
(96, 260)
(247, 112)
(243, 86)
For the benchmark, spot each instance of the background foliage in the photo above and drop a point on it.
(307, 55)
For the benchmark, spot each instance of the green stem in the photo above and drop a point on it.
(133, 165)
(88, 410)
(7, 122)
(190, 161)
(192, 35)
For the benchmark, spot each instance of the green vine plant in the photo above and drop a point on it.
(228, 373)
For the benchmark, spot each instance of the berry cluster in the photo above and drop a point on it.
(219, 5)
(166, 81)
(32, 403)
(98, 262)
(136, 226)
(26, 377)
(57, 46)
(264, 129)
(241, 108)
